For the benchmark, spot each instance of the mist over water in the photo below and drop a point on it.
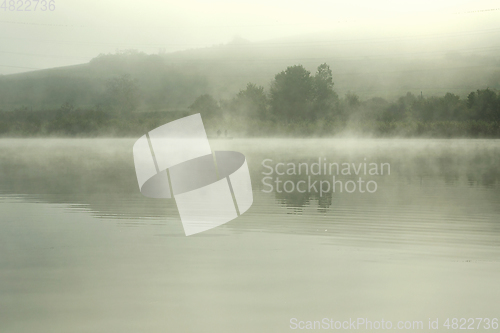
(82, 248)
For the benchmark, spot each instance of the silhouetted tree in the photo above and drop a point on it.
(325, 98)
(206, 105)
(484, 105)
(292, 94)
(251, 102)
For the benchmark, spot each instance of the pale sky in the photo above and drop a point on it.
(78, 30)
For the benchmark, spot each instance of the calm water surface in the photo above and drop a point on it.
(83, 251)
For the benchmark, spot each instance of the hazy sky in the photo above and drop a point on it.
(76, 31)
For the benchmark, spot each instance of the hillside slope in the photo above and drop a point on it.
(387, 67)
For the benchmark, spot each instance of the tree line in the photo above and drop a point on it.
(305, 104)
(296, 103)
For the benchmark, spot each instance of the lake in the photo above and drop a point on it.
(83, 251)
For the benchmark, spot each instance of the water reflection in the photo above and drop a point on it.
(83, 249)
(462, 168)
(427, 180)
(97, 175)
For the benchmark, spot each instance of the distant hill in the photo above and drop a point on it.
(380, 66)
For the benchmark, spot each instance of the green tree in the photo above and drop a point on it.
(451, 108)
(325, 98)
(250, 103)
(206, 105)
(484, 105)
(404, 107)
(292, 94)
